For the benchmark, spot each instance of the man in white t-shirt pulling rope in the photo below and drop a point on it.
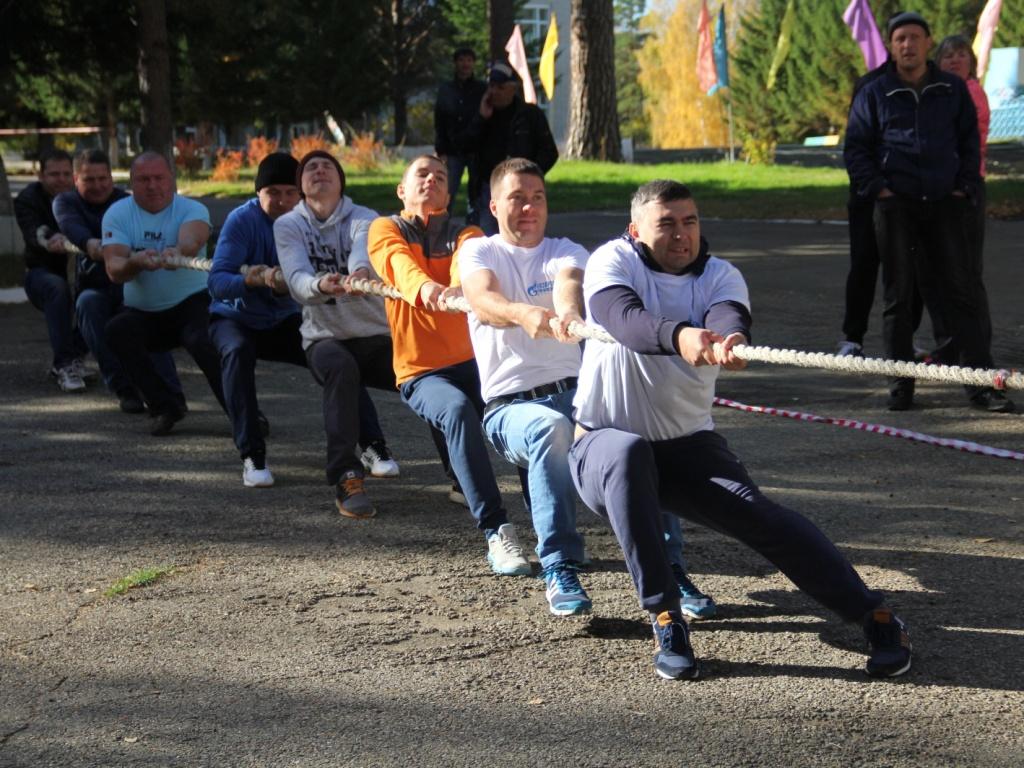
(525, 289)
(646, 441)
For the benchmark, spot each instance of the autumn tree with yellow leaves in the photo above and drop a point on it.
(680, 115)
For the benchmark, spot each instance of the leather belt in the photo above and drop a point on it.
(562, 385)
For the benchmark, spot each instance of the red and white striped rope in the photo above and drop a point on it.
(919, 437)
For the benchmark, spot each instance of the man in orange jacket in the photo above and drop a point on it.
(436, 372)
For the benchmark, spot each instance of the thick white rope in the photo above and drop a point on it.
(980, 377)
(999, 379)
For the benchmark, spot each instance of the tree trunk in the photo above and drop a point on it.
(398, 77)
(112, 147)
(502, 16)
(155, 77)
(10, 235)
(593, 118)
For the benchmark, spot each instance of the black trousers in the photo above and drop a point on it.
(133, 334)
(923, 244)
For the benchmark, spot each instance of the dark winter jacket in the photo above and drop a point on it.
(457, 102)
(33, 209)
(518, 130)
(919, 145)
(81, 221)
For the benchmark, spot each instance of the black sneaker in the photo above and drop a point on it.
(130, 402)
(673, 655)
(993, 401)
(901, 396)
(888, 644)
(164, 422)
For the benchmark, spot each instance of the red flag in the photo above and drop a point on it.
(707, 78)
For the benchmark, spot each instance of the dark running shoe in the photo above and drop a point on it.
(888, 644)
(901, 396)
(694, 604)
(129, 401)
(164, 422)
(673, 654)
(351, 497)
(566, 596)
(993, 401)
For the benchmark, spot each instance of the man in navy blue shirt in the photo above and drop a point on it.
(79, 214)
(252, 316)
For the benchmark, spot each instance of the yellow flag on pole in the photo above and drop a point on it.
(546, 68)
(782, 48)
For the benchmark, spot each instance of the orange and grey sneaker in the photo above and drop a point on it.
(888, 644)
(351, 497)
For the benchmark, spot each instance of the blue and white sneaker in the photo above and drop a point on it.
(566, 596)
(673, 654)
(693, 603)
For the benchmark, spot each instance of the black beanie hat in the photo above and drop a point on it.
(276, 168)
(318, 153)
(902, 18)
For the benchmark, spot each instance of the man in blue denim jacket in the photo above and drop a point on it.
(912, 146)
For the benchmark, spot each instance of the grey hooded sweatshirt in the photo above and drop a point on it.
(308, 249)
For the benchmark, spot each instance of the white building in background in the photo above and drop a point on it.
(534, 19)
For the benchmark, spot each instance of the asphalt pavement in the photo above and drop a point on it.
(286, 635)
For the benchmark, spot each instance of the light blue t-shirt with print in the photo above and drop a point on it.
(125, 223)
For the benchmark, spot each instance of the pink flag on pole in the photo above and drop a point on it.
(861, 21)
(707, 78)
(987, 25)
(517, 58)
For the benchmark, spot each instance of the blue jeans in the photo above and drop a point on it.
(537, 434)
(673, 539)
(449, 400)
(485, 219)
(94, 308)
(51, 294)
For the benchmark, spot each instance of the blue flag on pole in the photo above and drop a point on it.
(721, 52)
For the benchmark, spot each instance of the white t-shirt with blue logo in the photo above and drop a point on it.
(658, 397)
(509, 360)
(125, 223)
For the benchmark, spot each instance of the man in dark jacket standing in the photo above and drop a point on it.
(457, 102)
(505, 126)
(46, 267)
(912, 145)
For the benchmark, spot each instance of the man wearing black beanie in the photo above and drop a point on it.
(252, 317)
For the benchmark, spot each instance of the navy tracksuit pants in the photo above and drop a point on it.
(629, 481)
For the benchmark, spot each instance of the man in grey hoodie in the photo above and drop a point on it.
(321, 245)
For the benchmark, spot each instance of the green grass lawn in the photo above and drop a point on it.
(725, 190)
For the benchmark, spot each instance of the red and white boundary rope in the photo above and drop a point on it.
(880, 429)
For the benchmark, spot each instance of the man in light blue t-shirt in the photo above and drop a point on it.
(166, 308)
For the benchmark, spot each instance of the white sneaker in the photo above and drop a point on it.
(85, 373)
(377, 460)
(849, 349)
(456, 496)
(505, 554)
(252, 477)
(67, 379)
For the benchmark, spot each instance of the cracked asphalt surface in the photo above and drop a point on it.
(287, 635)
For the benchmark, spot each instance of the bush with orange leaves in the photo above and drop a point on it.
(188, 156)
(258, 148)
(364, 153)
(229, 163)
(303, 145)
